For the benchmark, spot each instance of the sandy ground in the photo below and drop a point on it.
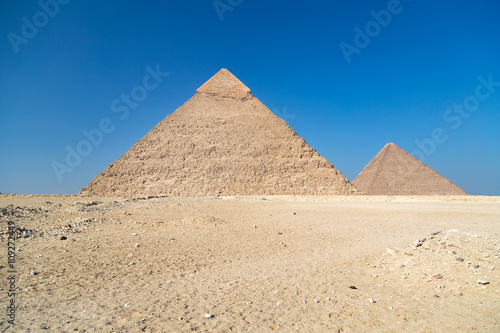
(252, 264)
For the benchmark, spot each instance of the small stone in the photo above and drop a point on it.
(33, 272)
(134, 234)
(316, 300)
(438, 276)
(254, 226)
(63, 238)
(372, 300)
(460, 259)
(180, 318)
(391, 251)
(419, 242)
(294, 213)
(209, 315)
(136, 245)
(483, 281)
(476, 266)
(353, 287)
(390, 308)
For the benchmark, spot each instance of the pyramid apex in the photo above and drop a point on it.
(225, 84)
(391, 146)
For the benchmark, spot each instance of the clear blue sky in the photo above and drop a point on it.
(399, 86)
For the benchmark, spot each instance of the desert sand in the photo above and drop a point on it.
(253, 264)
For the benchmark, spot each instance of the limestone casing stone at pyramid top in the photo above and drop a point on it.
(225, 84)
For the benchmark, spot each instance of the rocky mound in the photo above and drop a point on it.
(449, 262)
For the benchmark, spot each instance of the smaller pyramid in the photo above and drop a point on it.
(393, 171)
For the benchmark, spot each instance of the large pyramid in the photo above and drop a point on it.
(395, 172)
(221, 141)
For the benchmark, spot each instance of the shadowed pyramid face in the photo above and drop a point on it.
(221, 141)
(395, 172)
(400, 168)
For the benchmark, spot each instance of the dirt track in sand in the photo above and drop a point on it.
(255, 263)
